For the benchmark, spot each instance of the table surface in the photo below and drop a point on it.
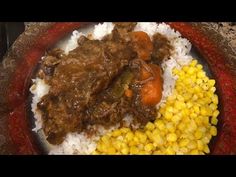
(226, 29)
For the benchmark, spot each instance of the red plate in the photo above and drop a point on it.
(30, 47)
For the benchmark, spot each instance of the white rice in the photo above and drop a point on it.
(38, 89)
(78, 143)
(101, 30)
(72, 43)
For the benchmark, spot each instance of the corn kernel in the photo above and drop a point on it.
(136, 139)
(209, 136)
(111, 150)
(133, 143)
(184, 150)
(120, 138)
(181, 126)
(198, 121)
(195, 97)
(159, 124)
(213, 131)
(137, 133)
(193, 63)
(205, 120)
(134, 150)
(175, 71)
(124, 130)
(150, 126)
(125, 150)
(142, 138)
(99, 147)
(213, 106)
(171, 137)
(200, 145)
(129, 136)
(170, 151)
(211, 82)
(198, 134)
(193, 115)
(206, 149)
(199, 81)
(95, 153)
(199, 67)
(117, 145)
(183, 142)
(105, 139)
(158, 140)
(186, 112)
(186, 119)
(205, 79)
(203, 111)
(161, 111)
(202, 129)
(212, 89)
(148, 147)
(149, 134)
(181, 73)
(168, 115)
(180, 98)
(175, 146)
(178, 105)
(185, 68)
(201, 74)
(196, 109)
(158, 115)
(205, 87)
(176, 118)
(214, 120)
(170, 127)
(187, 96)
(116, 133)
(200, 95)
(140, 147)
(189, 105)
(194, 152)
(169, 109)
(205, 140)
(192, 145)
(215, 99)
(192, 126)
(215, 113)
(191, 70)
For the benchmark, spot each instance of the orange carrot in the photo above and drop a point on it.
(151, 91)
(128, 93)
(142, 44)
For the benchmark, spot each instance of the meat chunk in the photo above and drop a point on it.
(162, 48)
(77, 79)
(87, 86)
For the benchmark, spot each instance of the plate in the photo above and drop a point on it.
(18, 65)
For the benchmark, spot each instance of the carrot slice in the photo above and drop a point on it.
(151, 91)
(128, 93)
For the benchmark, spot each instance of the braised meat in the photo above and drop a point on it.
(88, 85)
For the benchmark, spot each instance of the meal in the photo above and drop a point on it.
(124, 88)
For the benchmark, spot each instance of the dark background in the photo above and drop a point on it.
(9, 31)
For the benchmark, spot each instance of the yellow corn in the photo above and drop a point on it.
(182, 125)
(171, 137)
(213, 131)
